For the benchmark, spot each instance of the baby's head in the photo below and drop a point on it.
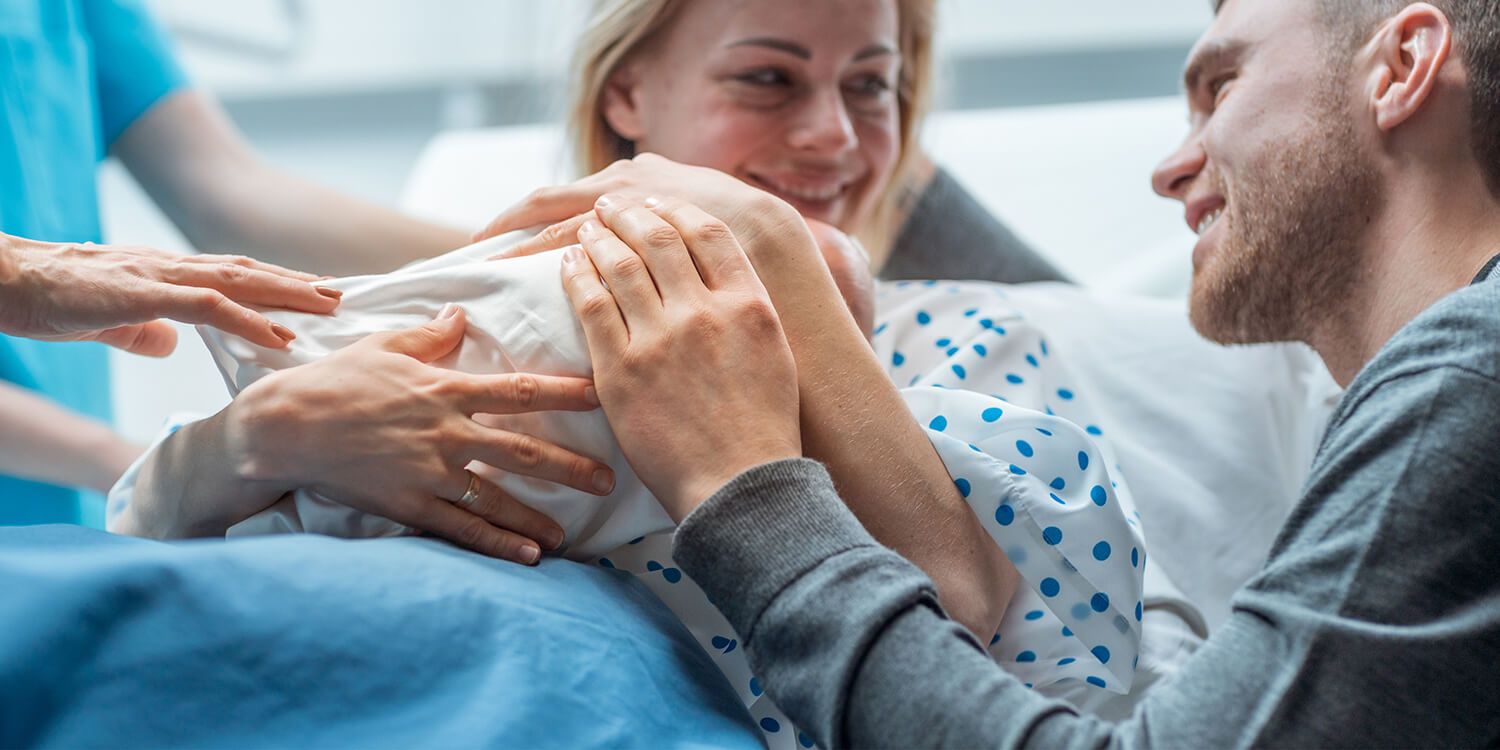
(850, 266)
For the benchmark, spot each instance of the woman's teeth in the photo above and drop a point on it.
(808, 194)
(1205, 223)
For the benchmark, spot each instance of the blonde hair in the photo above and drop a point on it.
(617, 29)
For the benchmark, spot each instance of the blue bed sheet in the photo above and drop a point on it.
(302, 641)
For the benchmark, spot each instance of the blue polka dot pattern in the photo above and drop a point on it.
(804, 740)
(898, 359)
(1050, 587)
(1096, 681)
(1058, 484)
(1065, 661)
(938, 423)
(1025, 449)
(1035, 614)
(755, 688)
(1099, 495)
(1065, 394)
(963, 486)
(1014, 379)
(960, 371)
(992, 414)
(1138, 611)
(1005, 515)
(1099, 602)
(771, 725)
(1101, 551)
(1083, 461)
(1052, 535)
(1026, 656)
(1101, 653)
(923, 318)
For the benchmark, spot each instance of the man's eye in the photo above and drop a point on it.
(1217, 88)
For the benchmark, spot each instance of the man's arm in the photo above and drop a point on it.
(1374, 622)
(225, 198)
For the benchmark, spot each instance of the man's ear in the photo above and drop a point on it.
(1409, 53)
(621, 106)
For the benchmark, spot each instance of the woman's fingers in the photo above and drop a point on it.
(545, 206)
(659, 243)
(553, 237)
(427, 342)
(625, 272)
(253, 286)
(603, 326)
(252, 264)
(518, 393)
(536, 458)
(200, 306)
(441, 518)
(720, 259)
(155, 339)
(502, 510)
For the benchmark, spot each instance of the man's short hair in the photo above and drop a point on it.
(1476, 31)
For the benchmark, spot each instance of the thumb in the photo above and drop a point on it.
(155, 339)
(430, 341)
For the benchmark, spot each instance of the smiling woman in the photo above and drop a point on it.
(820, 104)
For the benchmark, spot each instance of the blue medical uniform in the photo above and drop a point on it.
(74, 74)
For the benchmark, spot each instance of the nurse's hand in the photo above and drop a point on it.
(373, 426)
(563, 209)
(690, 360)
(118, 295)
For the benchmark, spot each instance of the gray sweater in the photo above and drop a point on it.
(1375, 621)
(950, 236)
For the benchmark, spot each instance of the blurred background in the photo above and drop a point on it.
(349, 91)
(1053, 113)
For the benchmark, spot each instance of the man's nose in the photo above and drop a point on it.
(1175, 174)
(824, 125)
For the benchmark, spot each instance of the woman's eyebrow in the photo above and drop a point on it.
(797, 50)
(791, 48)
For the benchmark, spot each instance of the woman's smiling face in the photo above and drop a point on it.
(795, 97)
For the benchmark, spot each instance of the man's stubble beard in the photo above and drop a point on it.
(1291, 253)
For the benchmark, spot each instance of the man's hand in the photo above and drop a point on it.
(118, 295)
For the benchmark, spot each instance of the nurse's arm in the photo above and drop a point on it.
(44, 442)
(225, 198)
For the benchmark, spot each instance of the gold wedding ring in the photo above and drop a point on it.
(471, 495)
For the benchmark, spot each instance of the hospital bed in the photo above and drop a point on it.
(277, 641)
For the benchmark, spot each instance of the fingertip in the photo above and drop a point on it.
(529, 554)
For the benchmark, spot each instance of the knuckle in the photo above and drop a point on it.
(662, 237)
(596, 306)
(526, 451)
(712, 231)
(628, 267)
(472, 533)
(208, 302)
(525, 391)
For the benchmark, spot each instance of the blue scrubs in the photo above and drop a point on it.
(74, 74)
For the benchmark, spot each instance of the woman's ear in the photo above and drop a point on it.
(621, 106)
(1410, 51)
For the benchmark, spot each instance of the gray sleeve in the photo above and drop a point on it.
(950, 236)
(1375, 622)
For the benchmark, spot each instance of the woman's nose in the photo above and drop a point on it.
(824, 125)
(1176, 173)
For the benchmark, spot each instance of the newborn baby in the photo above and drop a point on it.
(1040, 484)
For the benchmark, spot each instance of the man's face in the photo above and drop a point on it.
(1273, 174)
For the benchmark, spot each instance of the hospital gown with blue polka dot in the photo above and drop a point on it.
(1035, 465)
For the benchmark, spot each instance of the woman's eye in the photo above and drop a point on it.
(765, 77)
(869, 86)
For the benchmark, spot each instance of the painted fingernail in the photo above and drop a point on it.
(330, 292)
(555, 539)
(604, 481)
(605, 201)
(529, 554)
(283, 333)
(591, 395)
(653, 202)
(449, 310)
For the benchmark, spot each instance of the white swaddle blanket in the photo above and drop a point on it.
(519, 321)
(1041, 485)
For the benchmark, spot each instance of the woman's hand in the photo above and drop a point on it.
(118, 295)
(691, 363)
(373, 426)
(563, 209)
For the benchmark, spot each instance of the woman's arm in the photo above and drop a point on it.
(896, 485)
(375, 427)
(44, 442)
(198, 168)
